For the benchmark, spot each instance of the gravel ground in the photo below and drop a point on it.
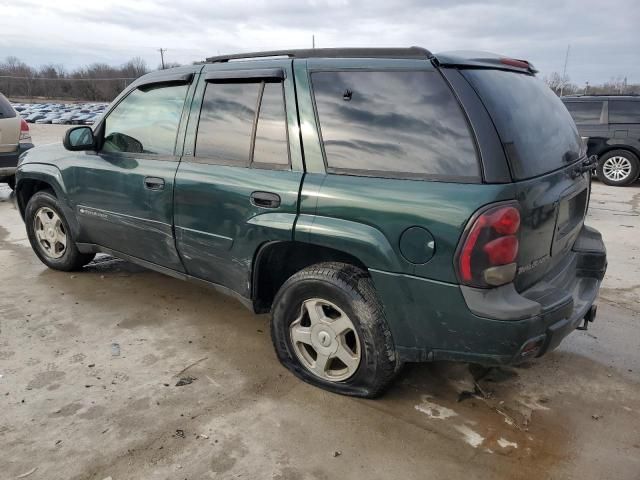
(74, 406)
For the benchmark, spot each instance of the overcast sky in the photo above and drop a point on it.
(604, 35)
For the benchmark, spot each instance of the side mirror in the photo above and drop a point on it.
(79, 138)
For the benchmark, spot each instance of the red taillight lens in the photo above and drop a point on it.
(25, 136)
(490, 248)
(502, 250)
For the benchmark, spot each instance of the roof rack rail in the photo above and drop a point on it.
(411, 52)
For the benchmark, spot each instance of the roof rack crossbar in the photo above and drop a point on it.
(411, 53)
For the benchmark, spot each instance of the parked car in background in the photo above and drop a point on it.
(14, 139)
(612, 123)
(424, 211)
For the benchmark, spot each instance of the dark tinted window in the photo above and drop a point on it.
(226, 122)
(624, 111)
(396, 122)
(271, 132)
(6, 110)
(585, 113)
(146, 121)
(536, 129)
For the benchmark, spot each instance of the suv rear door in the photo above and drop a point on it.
(239, 178)
(544, 153)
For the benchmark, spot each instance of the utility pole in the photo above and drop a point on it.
(564, 71)
(162, 50)
(313, 41)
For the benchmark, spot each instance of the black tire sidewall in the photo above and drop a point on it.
(287, 307)
(635, 168)
(70, 259)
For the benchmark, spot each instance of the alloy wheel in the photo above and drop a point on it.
(325, 340)
(50, 232)
(616, 168)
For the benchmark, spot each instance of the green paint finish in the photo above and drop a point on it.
(390, 206)
(204, 224)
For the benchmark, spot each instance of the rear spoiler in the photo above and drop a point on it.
(482, 60)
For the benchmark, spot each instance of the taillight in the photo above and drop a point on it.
(487, 255)
(25, 136)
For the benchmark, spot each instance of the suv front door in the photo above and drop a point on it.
(123, 193)
(238, 181)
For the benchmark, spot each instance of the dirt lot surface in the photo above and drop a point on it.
(90, 364)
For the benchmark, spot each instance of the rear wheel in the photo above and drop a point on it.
(618, 168)
(11, 181)
(328, 328)
(50, 236)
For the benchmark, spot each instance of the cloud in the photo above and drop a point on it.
(604, 42)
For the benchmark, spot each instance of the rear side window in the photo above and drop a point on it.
(536, 129)
(624, 111)
(233, 115)
(393, 123)
(146, 121)
(6, 110)
(585, 113)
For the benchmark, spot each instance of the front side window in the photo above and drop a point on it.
(146, 121)
(585, 113)
(233, 115)
(394, 123)
(624, 111)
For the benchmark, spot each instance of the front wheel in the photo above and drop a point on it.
(328, 327)
(50, 235)
(618, 168)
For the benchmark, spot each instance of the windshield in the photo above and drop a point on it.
(536, 129)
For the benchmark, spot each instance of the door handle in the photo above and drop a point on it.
(153, 183)
(265, 199)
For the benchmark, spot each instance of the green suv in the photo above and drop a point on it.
(385, 205)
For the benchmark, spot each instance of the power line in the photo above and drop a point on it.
(63, 79)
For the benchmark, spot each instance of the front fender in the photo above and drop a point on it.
(29, 179)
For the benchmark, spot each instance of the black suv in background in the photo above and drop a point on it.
(612, 123)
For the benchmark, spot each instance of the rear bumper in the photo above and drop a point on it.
(9, 161)
(498, 326)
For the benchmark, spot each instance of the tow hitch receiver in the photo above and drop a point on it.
(589, 317)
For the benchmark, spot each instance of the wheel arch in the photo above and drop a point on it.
(608, 148)
(34, 178)
(275, 262)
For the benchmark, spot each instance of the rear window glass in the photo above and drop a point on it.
(395, 123)
(585, 113)
(624, 111)
(6, 110)
(537, 131)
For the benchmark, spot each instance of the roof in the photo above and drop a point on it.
(410, 52)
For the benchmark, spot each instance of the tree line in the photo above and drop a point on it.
(102, 82)
(97, 82)
(562, 85)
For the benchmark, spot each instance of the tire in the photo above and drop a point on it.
(618, 168)
(339, 290)
(11, 181)
(44, 204)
